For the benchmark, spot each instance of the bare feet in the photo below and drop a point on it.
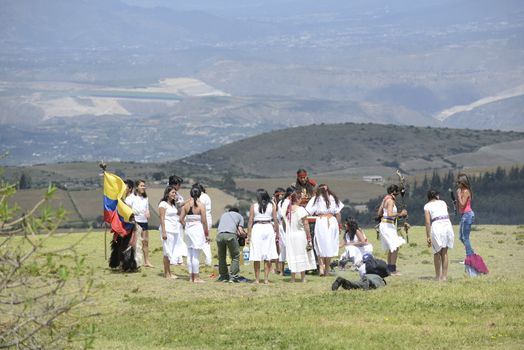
(198, 280)
(148, 265)
(396, 273)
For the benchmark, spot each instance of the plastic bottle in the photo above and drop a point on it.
(245, 255)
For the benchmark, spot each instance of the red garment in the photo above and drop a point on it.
(476, 262)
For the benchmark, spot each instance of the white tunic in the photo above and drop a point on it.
(442, 235)
(356, 252)
(282, 241)
(140, 206)
(195, 237)
(298, 257)
(326, 225)
(206, 200)
(262, 245)
(172, 225)
(388, 234)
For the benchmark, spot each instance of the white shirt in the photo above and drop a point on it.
(140, 206)
(206, 200)
(320, 206)
(436, 208)
(171, 217)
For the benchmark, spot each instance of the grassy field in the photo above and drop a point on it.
(144, 311)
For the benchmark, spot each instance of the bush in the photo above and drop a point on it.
(41, 289)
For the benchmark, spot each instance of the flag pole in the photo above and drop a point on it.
(103, 166)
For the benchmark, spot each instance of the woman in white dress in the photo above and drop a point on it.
(140, 205)
(278, 197)
(439, 233)
(193, 218)
(355, 242)
(262, 230)
(299, 253)
(327, 207)
(389, 237)
(206, 200)
(180, 245)
(169, 227)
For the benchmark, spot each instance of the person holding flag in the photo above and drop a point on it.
(119, 216)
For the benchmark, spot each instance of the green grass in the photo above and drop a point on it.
(144, 311)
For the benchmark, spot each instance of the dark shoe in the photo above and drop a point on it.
(336, 284)
(223, 279)
(233, 280)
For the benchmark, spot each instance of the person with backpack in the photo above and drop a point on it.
(366, 282)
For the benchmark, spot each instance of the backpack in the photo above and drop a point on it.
(376, 266)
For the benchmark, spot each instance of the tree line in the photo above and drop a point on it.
(498, 198)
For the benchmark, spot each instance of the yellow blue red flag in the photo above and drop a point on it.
(116, 212)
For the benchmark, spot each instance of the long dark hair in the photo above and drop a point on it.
(324, 191)
(433, 194)
(290, 190)
(199, 185)
(463, 179)
(165, 197)
(352, 228)
(138, 182)
(263, 199)
(195, 194)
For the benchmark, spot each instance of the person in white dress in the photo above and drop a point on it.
(389, 237)
(299, 253)
(169, 227)
(439, 233)
(326, 206)
(278, 197)
(262, 230)
(180, 245)
(355, 242)
(193, 218)
(206, 201)
(140, 205)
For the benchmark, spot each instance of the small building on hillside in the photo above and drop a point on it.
(373, 179)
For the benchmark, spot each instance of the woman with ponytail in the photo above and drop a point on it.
(439, 233)
(299, 252)
(262, 230)
(194, 219)
(326, 206)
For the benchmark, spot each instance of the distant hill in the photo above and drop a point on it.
(349, 148)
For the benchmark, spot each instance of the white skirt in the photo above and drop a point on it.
(168, 245)
(442, 235)
(389, 237)
(195, 237)
(180, 247)
(356, 252)
(299, 259)
(282, 245)
(326, 237)
(262, 245)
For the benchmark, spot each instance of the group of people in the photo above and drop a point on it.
(300, 226)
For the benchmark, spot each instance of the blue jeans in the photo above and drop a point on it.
(465, 229)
